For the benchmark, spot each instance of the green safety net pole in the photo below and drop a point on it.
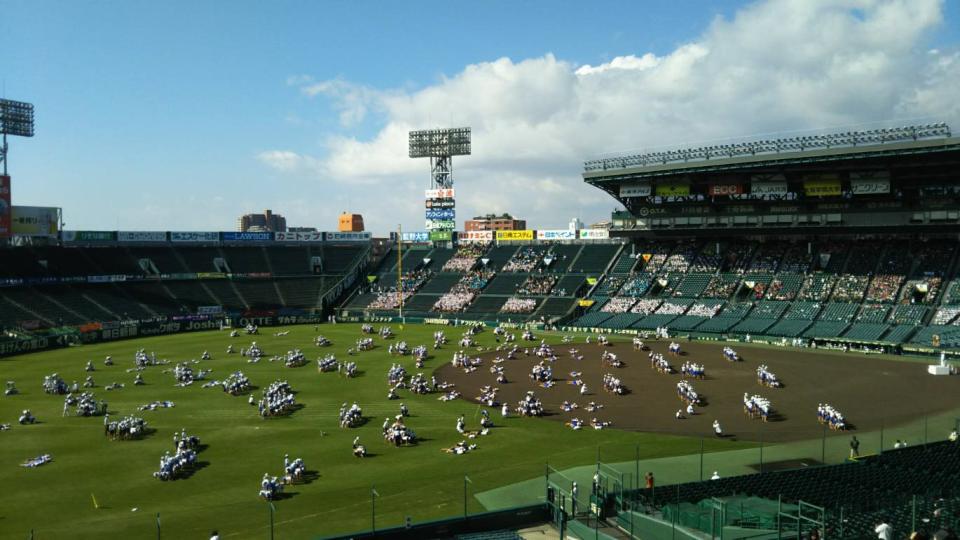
(546, 474)
(701, 459)
(713, 521)
(466, 480)
(637, 481)
(913, 514)
(881, 436)
(823, 445)
(761, 449)
(779, 514)
(158, 525)
(271, 521)
(676, 515)
(373, 509)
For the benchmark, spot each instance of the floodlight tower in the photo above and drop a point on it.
(16, 118)
(440, 145)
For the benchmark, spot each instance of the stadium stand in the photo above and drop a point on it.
(865, 491)
(120, 283)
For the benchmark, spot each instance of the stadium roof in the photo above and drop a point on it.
(768, 154)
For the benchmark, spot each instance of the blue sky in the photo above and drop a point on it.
(161, 115)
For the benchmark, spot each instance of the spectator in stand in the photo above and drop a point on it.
(466, 257)
(540, 284)
(720, 287)
(637, 286)
(519, 305)
(463, 293)
(646, 306)
(525, 260)
(701, 309)
(884, 288)
(410, 282)
(618, 304)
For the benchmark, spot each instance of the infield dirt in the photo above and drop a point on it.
(870, 391)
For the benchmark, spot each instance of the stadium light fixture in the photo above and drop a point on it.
(16, 118)
(440, 145)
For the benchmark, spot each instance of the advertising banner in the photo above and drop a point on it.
(594, 234)
(107, 279)
(5, 210)
(440, 203)
(821, 186)
(209, 310)
(346, 236)
(514, 235)
(312, 236)
(89, 236)
(441, 224)
(635, 190)
(870, 183)
(206, 237)
(775, 188)
(673, 190)
(246, 237)
(35, 221)
(417, 236)
(441, 236)
(719, 190)
(441, 213)
(141, 236)
(211, 275)
(474, 236)
(558, 234)
(439, 193)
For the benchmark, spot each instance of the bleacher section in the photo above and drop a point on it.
(846, 290)
(86, 284)
(851, 494)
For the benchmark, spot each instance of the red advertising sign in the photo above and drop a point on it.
(6, 211)
(717, 190)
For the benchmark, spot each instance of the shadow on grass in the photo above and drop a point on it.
(308, 477)
(197, 467)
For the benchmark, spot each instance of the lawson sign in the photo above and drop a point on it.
(246, 237)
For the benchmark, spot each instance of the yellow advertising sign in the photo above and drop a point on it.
(591, 281)
(514, 235)
(821, 188)
(35, 221)
(585, 303)
(673, 190)
(647, 257)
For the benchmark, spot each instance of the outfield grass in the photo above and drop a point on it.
(56, 500)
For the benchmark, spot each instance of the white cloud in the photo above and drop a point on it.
(286, 161)
(776, 66)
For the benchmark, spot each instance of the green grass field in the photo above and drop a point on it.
(57, 500)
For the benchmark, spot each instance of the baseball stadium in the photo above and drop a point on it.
(762, 344)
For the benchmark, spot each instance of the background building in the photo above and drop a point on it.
(267, 221)
(350, 222)
(492, 222)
